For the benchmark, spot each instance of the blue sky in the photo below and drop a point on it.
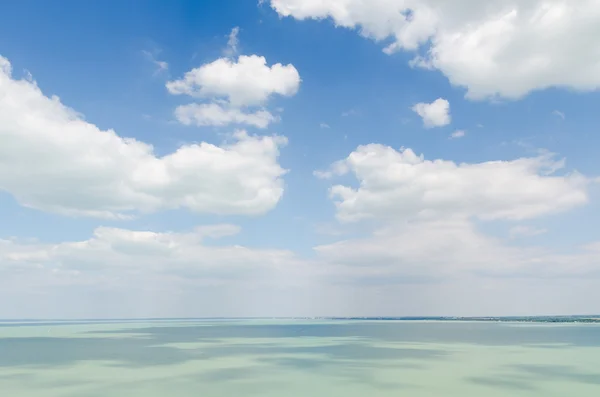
(492, 222)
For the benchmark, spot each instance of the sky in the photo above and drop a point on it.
(299, 158)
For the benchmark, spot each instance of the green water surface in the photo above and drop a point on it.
(299, 358)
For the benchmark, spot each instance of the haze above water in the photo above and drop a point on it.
(299, 358)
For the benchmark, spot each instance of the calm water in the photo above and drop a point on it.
(299, 358)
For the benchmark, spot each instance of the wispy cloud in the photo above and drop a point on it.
(525, 231)
(324, 125)
(233, 42)
(558, 113)
(351, 112)
(458, 134)
(331, 229)
(161, 66)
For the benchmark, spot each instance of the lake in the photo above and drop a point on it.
(298, 358)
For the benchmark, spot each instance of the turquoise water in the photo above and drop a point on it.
(299, 358)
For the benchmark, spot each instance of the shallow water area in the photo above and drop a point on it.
(299, 358)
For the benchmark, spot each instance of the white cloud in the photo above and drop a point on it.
(525, 231)
(52, 159)
(401, 185)
(493, 48)
(233, 86)
(421, 232)
(458, 134)
(324, 125)
(434, 114)
(217, 115)
(247, 82)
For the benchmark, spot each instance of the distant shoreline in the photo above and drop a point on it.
(511, 319)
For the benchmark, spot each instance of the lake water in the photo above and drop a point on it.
(299, 358)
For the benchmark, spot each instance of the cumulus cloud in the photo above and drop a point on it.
(434, 114)
(245, 82)
(232, 86)
(52, 159)
(217, 115)
(401, 185)
(493, 48)
(422, 222)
